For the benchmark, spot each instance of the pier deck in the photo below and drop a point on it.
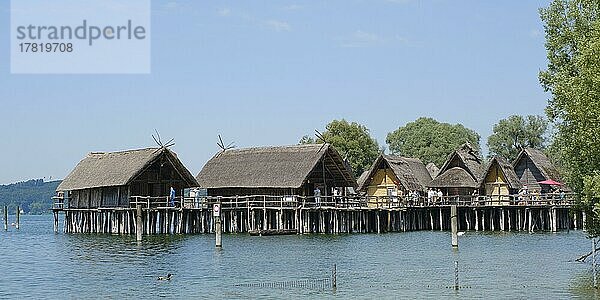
(335, 215)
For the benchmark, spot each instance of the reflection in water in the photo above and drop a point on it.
(42, 264)
(121, 247)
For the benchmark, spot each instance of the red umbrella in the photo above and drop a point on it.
(550, 182)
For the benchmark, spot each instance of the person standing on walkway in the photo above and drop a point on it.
(172, 197)
(317, 193)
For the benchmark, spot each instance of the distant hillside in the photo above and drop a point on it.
(34, 196)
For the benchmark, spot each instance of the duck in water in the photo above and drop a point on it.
(168, 277)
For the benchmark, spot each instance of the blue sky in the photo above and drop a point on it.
(267, 73)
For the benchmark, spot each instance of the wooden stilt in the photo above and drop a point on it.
(454, 225)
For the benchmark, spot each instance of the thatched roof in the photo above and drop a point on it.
(411, 172)
(272, 167)
(454, 177)
(541, 161)
(507, 170)
(100, 169)
(432, 169)
(466, 158)
(362, 178)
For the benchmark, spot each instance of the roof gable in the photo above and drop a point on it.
(467, 158)
(540, 161)
(100, 169)
(411, 172)
(507, 170)
(271, 167)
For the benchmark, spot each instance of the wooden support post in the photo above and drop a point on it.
(476, 220)
(456, 286)
(502, 222)
(389, 221)
(264, 227)
(248, 223)
(441, 220)
(55, 214)
(139, 226)
(334, 277)
(509, 220)
(454, 225)
(18, 217)
(554, 220)
(5, 218)
(431, 219)
(218, 229)
(378, 223)
(483, 219)
(530, 221)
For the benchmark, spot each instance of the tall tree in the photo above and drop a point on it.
(572, 30)
(352, 140)
(516, 132)
(430, 140)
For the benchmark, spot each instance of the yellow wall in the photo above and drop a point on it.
(382, 180)
(495, 183)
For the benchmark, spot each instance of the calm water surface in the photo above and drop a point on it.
(37, 263)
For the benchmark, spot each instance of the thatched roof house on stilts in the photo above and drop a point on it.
(533, 166)
(276, 171)
(500, 180)
(461, 173)
(392, 177)
(110, 179)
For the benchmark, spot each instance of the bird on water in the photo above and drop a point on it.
(168, 277)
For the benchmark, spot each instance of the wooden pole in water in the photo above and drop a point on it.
(454, 225)
(218, 229)
(18, 217)
(456, 286)
(5, 218)
(55, 215)
(334, 277)
(138, 224)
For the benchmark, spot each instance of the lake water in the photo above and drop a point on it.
(39, 264)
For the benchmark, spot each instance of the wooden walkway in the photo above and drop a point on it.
(334, 215)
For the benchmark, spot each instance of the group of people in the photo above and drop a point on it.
(434, 195)
(525, 194)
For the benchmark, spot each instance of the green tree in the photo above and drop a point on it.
(430, 140)
(572, 30)
(351, 140)
(516, 132)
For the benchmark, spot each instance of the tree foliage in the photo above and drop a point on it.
(430, 140)
(516, 132)
(32, 196)
(352, 140)
(572, 30)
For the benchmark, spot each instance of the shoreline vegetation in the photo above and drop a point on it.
(33, 196)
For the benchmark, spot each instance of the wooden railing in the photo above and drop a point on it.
(294, 201)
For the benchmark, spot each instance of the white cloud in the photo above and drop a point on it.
(224, 12)
(278, 25)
